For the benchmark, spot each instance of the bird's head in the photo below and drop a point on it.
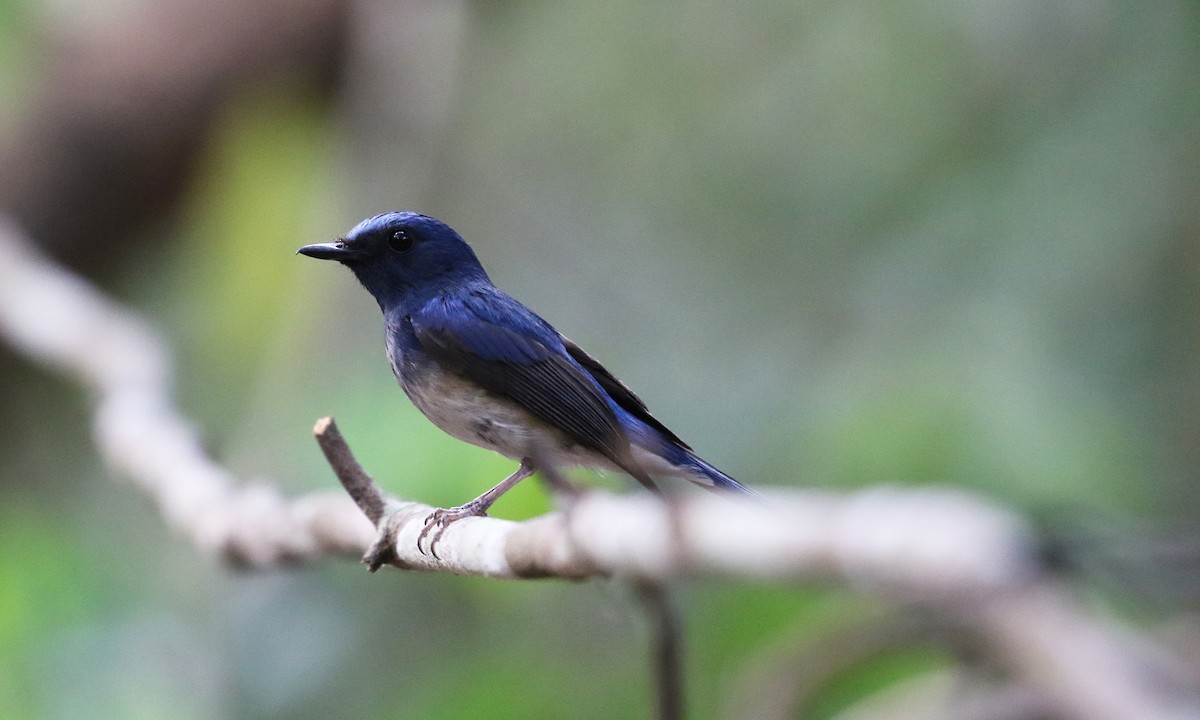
(400, 257)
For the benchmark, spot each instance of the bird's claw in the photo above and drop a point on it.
(440, 519)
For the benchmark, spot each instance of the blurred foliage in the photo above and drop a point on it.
(829, 243)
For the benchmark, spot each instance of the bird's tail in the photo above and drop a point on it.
(705, 475)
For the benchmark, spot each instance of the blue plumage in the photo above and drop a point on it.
(489, 371)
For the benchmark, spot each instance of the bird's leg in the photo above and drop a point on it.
(439, 519)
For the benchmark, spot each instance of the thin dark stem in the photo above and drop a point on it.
(357, 482)
(668, 647)
(664, 619)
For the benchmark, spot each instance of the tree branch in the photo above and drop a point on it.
(922, 544)
(354, 479)
(941, 549)
(65, 323)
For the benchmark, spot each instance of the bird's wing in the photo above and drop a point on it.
(493, 340)
(619, 391)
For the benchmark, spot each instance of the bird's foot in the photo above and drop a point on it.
(440, 519)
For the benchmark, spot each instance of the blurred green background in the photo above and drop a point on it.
(830, 244)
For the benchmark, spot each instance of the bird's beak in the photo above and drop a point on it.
(336, 250)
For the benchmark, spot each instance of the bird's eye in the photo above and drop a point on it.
(401, 241)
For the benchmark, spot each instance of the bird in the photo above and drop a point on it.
(489, 371)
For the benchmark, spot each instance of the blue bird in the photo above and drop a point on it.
(487, 370)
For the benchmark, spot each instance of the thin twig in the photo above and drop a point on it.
(666, 625)
(354, 479)
(667, 629)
